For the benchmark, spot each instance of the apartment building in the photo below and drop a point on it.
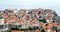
(32, 19)
(3, 25)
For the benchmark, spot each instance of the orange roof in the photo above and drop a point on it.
(16, 31)
(35, 21)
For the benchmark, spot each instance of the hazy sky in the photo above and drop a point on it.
(18, 4)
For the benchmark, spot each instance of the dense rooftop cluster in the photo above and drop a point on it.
(43, 18)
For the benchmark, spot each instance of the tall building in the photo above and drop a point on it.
(1, 19)
(3, 26)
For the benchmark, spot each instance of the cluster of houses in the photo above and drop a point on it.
(30, 20)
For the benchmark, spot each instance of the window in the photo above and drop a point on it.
(39, 16)
(1, 17)
(1, 26)
(10, 11)
(30, 12)
(45, 10)
(6, 26)
(43, 20)
(20, 26)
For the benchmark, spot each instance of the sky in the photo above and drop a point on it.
(28, 4)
